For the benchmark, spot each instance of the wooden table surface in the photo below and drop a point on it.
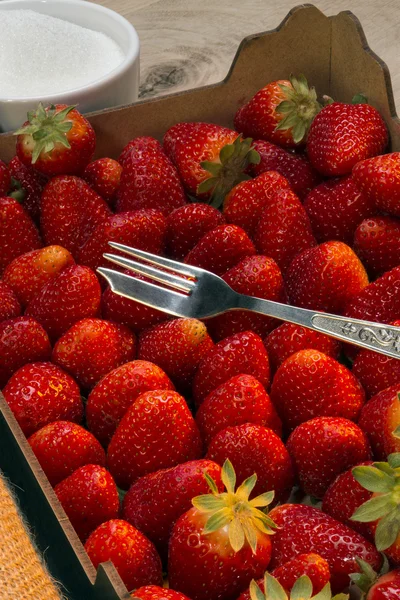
(188, 43)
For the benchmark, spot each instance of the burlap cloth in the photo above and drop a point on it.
(23, 575)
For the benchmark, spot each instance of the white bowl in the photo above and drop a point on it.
(118, 87)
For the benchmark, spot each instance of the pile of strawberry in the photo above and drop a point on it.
(141, 422)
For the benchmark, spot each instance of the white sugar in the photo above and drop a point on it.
(42, 55)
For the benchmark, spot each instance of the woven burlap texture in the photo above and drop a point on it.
(22, 574)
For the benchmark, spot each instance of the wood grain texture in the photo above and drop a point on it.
(189, 43)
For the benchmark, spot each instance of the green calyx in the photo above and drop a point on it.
(17, 191)
(302, 590)
(47, 128)
(233, 508)
(229, 170)
(383, 479)
(366, 577)
(300, 107)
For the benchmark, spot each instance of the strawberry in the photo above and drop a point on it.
(149, 179)
(133, 555)
(256, 276)
(186, 226)
(89, 497)
(116, 392)
(284, 229)
(378, 178)
(221, 249)
(26, 187)
(9, 305)
(22, 340)
(289, 338)
(324, 447)
(313, 565)
(56, 140)
(221, 543)
(335, 208)
(92, 348)
(281, 112)
(157, 432)
(28, 273)
(242, 353)
(5, 179)
(143, 229)
(375, 371)
(40, 393)
(311, 384)
(154, 592)
(373, 586)
(244, 204)
(70, 212)
(177, 346)
(255, 449)
(210, 159)
(62, 447)
(18, 233)
(294, 167)
(103, 175)
(171, 490)
(72, 295)
(325, 278)
(377, 243)
(379, 418)
(241, 399)
(307, 529)
(343, 134)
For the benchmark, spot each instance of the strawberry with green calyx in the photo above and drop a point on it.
(56, 140)
(384, 585)
(302, 590)
(218, 546)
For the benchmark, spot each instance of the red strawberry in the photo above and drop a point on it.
(56, 140)
(245, 203)
(149, 179)
(22, 340)
(171, 490)
(242, 353)
(343, 134)
(294, 167)
(116, 392)
(311, 384)
(377, 243)
(177, 346)
(379, 179)
(221, 249)
(325, 278)
(256, 276)
(210, 159)
(336, 208)
(72, 295)
(281, 112)
(40, 393)
(153, 592)
(132, 554)
(187, 225)
(241, 399)
(9, 305)
(307, 529)
(385, 586)
(18, 233)
(284, 229)
(289, 338)
(103, 175)
(28, 273)
(324, 447)
(219, 545)
(157, 432)
(128, 312)
(27, 186)
(5, 179)
(70, 212)
(255, 449)
(91, 348)
(379, 418)
(143, 229)
(62, 447)
(89, 497)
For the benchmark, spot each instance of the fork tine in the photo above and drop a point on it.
(166, 278)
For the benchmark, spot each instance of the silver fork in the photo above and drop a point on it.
(206, 295)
